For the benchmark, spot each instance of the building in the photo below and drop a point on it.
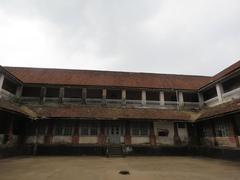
(97, 110)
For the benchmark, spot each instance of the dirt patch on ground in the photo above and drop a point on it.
(101, 168)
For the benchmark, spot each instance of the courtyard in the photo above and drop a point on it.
(101, 168)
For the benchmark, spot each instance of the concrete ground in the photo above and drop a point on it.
(101, 168)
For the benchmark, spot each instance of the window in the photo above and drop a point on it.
(58, 130)
(210, 93)
(133, 95)
(181, 125)
(94, 93)
(152, 95)
(31, 91)
(223, 128)
(88, 129)
(163, 132)
(63, 129)
(190, 97)
(9, 86)
(73, 93)
(114, 94)
(231, 84)
(170, 96)
(67, 130)
(139, 129)
(52, 92)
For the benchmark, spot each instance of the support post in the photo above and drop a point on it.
(219, 89)
(180, 99)
(36, 142)
(10, 131)
(127, 137)
(144, 98)
(61, 95)
(102, 136)
(84, 95)
(213, 132)
(152, 134)
(104, 96)
(234, 130)
(176, 137)
(124, 94)
(1, 83)
(200, 99)
(42, 95)
(161, 97)
(75, 138)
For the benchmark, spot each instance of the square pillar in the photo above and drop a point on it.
(161, 97)
(176, 137)
(200, 99)
(152, 136)
(234, 131)
(42, 95)
(104, 96)
(144, 98)
(1, 83)
(61, 95)
(220, 92)
(180, 99)
(127, 137)
(102, 137)
(84, 95)
(75, 137)
(124, 95)
(213, 132)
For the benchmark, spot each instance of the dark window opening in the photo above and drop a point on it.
(31, 91)
(140, 129)
(152, 95)
(9, 86)
(88, 129)
(73, 93)
(231, 84)
(52, 92)
(163, 132)
(114, 94)
(190, 97)
(181, 125)
(134, 95)
(94, 93)
(210, 93)
(170, 96)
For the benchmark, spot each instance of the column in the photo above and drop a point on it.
(104, 96)
(144, 98)
(213, 132)
(176, 137)
(127, 137)
(152, 134)
(1, 83)
(201, 99)
(19, 91)
(180, 99)
(49, 137)
(102, 136)
(10, 131)
(219, 89)
(75, 138)
(161, 97)
(234, 130)
(61, 95)
(42, 95)
(36, 142)
(84, 95)
(124, 94)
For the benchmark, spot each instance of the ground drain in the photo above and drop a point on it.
(124, 172)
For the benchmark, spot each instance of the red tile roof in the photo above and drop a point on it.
(64, 111)
(107, 78)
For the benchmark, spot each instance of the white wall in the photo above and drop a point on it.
(62, 139)
(183, 134)
(140, 140)
(166, 140)
(88, 139)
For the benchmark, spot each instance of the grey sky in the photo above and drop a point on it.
(162, 36)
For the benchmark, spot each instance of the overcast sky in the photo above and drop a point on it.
(162, 36)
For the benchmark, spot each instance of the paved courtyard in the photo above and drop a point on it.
(101, 168)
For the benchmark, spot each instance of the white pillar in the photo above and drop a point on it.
(162, 100)
(124, 94)
(180, 99)
(144, 98)
(1, 83)
(104, 96)
(200, 99)
(219, 89)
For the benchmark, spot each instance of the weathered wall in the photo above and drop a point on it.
(88, 139)
(167, 140)
(183, 134)
(62, 139)
(229, 141)
(140, 140)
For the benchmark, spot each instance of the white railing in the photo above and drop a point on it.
(134, 102)
(94, 101)
(72, 99)
(156, 103)
(114, 101)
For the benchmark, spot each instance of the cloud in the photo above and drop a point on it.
(167, 36)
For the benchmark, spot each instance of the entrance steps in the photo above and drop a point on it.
(114, 151)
